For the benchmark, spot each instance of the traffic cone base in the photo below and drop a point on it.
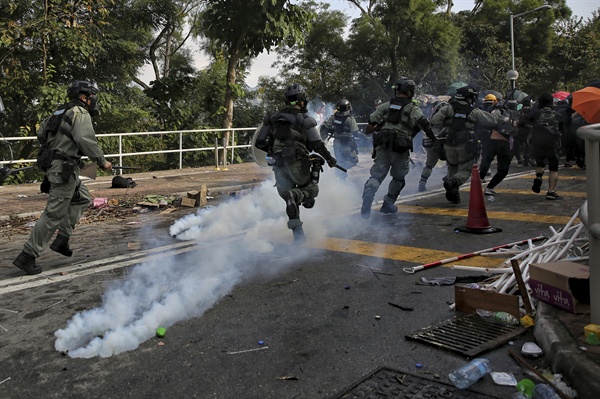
(477, 220)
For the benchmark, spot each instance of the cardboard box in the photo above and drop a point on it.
(563, 284)
(468, 300)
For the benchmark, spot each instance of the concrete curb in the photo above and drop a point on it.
(562, 351)
(224, 190)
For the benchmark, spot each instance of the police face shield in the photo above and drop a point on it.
(93, 107)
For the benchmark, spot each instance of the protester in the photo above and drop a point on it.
(342, 127)
(288, 136)
(393, 125)
(457, 119)
(523, 131)
(547, 129)
(64, 137)
(499, 146)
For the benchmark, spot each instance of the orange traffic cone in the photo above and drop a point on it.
(477, 220)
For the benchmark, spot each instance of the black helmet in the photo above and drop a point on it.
(89, 89)
(405, 86)
(466, 93)
(343, 106)
(295, 93)
(81, 86)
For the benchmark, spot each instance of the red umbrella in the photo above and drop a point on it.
(561, 95)
(587, 103)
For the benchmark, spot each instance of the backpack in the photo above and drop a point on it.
(547, 122)
(545, 132)
(46, 154)
(458, 133)
(122, 182)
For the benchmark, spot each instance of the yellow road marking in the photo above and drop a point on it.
(521, 217)
(399, 252)
(577, 194)
(560, 177)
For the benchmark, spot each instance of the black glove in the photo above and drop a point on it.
(331, 162)
(45, 186)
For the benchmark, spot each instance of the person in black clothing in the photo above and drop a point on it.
(522, 144)
(547, 128)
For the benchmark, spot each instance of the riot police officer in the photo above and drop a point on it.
(342, 127)
(64, 137)
(457, 119)
(288, 136)
(393, 124)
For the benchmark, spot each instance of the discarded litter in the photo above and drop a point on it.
(526, 386)
(530, 349)
(160, 332)
(592, 339)
(248, 350)
(261, 342)
(465, 376)
(501, 378)
(98, 202)
(418, 365)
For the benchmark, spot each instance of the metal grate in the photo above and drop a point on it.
(394, 384)
(468, 334)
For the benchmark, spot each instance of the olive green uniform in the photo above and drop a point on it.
(392, 145)
(342, 128)
(292, 167)
(460, 157)
(68, 196)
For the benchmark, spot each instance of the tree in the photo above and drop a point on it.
(418, 42)
(244, 29)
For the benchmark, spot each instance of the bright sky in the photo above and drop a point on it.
(262, 64)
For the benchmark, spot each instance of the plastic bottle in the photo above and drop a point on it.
(544, 391)
(270, 160)
(467, 375)
(506, 318)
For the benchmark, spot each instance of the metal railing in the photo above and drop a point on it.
(589, 212)
(217, 148)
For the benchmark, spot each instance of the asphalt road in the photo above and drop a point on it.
(247, 313)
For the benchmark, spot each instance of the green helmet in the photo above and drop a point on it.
(406, 86)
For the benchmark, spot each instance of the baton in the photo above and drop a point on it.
(412, 270)
(125, 167)
(341, 168)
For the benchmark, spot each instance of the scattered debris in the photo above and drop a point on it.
(503, 378)
(284, 283)
(7, 310)
(5, 330)
(408, 309)
(134, 246)
(100, 202)
(160, 332)
(532, 350)
(247, 350)
(56, 303)
(3, 381)
(288, 378)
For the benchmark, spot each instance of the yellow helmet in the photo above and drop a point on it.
(490, 97)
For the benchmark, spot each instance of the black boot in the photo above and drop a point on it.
(291, 208)
(365, 209)
(388, 208)
(26, 263)
(299, 236)
(61, 245)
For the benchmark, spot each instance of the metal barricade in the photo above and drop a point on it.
(589, 212)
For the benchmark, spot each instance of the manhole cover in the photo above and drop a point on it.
(387, 383)
(467, 335)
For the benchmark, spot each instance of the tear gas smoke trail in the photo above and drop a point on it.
(162, 293)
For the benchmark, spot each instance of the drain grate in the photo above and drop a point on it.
(467, 335)
(386, 383)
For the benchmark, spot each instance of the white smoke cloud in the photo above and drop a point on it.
(163, 292)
